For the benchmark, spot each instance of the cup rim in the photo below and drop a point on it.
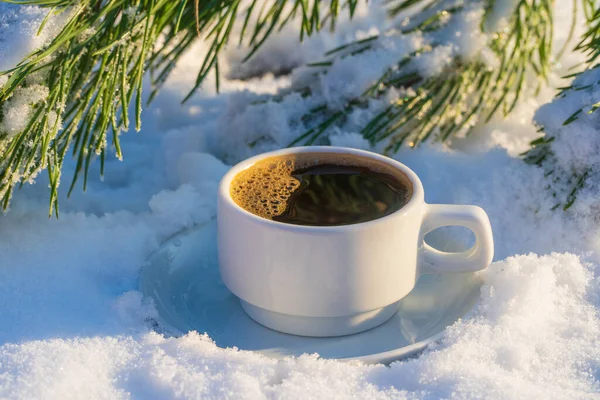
(225, 196)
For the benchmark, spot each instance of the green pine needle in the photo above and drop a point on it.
(95, 67)
(465, 92)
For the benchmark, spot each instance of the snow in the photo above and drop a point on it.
(19, 32)
(73, 325)
(19, 108)
(578, 147)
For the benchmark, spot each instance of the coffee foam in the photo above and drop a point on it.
(265, 188)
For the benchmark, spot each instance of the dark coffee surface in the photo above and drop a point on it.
(330, 195)
(321, 189)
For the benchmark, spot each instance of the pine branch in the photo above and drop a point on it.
(589, 44)
(541, 153)
(94, 67)
(468, 90)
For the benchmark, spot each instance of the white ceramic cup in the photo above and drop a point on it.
(338, 280)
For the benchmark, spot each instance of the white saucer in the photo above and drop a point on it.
(182, 278)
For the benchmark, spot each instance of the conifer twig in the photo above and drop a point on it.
(94, 69)
(541, 153)
(467, 90)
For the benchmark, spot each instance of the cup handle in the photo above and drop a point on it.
(471, 217)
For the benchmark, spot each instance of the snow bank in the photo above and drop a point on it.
(72, 324)
(534, 334)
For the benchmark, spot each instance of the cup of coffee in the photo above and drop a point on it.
(325, 241)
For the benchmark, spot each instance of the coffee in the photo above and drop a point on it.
(321, 189)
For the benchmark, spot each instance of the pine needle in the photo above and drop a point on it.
(467, 90)
(98, 61)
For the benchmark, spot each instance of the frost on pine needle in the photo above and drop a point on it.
(95, 63)
(462, 74)
(569, 147)
(18, 109)
(569, 151)
(434, 62)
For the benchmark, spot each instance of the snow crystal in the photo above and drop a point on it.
(276, 57)
(468, 38)
(19, 108)
(184, 207)
(349, 139)
(134, 310)
(499, 15)
(576, 145)
(249, 125)
(432, 63)
(19, 27)
(349, 77)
